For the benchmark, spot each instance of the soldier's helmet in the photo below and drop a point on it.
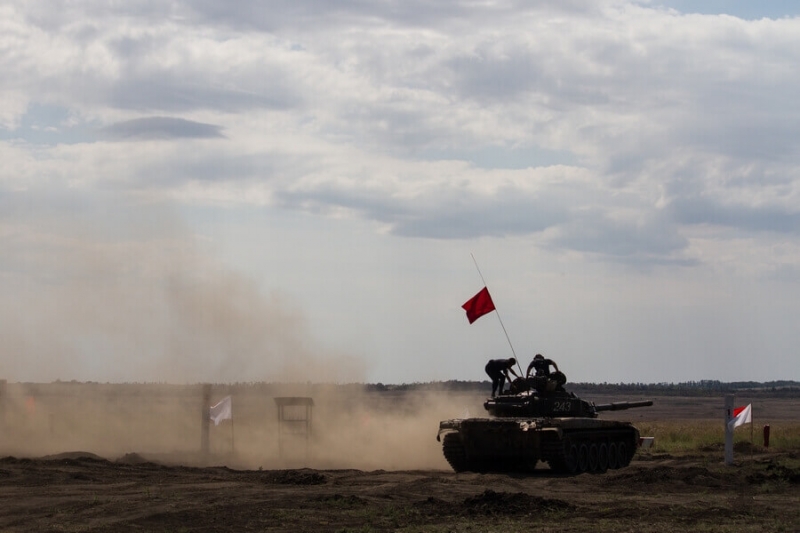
(538, 356)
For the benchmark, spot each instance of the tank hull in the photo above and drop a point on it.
(518, 444)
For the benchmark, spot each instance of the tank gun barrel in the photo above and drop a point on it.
(621, 406)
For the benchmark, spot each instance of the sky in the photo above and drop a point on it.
(302, 191)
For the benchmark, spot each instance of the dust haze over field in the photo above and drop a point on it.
(120, 291)
(399, 435)
(139, 299)
(349, 428)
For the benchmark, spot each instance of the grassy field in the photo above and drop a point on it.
(701, 436)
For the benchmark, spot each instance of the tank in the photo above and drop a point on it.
(542, 422)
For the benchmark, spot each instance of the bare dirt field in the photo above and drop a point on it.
(81, 491)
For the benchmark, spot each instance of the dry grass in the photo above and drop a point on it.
(688, 436)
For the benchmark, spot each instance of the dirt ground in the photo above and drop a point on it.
(80, 491)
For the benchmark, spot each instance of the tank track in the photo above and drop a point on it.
(581, 452)
(454, 452)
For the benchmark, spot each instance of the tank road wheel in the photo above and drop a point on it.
(583, 458)
(571, 459)
(612, 456)
(602, 457)
(454, 452)
(594, 460)
(623, 456)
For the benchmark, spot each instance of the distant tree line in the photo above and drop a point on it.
(706, 387)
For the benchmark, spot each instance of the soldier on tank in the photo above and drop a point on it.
(544, 380)
(541, 366)
(498, 370)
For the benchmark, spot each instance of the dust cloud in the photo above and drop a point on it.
(387, 431)
(348, 426)
(110, 290)
(113, 316)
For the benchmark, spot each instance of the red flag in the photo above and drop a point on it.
(479, 305)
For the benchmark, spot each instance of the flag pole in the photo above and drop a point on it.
(498, 316)
(752, 425)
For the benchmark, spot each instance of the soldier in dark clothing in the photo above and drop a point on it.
(498, 370)
(541, 365)
(543, 380)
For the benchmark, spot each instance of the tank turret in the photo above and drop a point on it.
(540, 423)
(560, 404)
